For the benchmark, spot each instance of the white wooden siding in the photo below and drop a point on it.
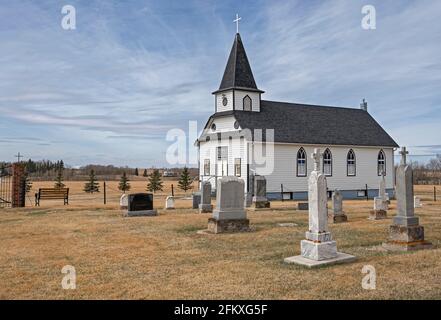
(219, 96)
(255, 99)
(285, 156)
(236, 149)
(223, 124)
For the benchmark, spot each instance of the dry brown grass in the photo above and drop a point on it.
(163, 257)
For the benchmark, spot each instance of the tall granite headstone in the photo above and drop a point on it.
(337, 215)
(318, 248)
(260, 200)
(205, 206)
(229, 214)
(196, 198)
(405, 234)
(381, 202)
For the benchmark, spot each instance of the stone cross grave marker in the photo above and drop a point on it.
(318, 248)
(405, 233)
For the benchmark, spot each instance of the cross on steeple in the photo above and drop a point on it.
(316, 157)
(237, 22)
(18, 156)
(403, 153)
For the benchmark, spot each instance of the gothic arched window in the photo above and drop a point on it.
(351, 165)
(381, 163)
(247, 103)
(301, 163)
(327, 162)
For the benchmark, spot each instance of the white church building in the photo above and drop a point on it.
(247, 136)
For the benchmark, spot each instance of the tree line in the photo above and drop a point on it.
(429, 173)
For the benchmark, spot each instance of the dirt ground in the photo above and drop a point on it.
(163, 257)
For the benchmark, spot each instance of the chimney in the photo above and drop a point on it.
(363, 105)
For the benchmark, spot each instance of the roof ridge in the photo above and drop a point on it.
(312, 105)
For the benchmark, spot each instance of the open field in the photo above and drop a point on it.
(163, 257)
(79, 199)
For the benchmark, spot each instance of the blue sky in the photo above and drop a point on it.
(109, 91)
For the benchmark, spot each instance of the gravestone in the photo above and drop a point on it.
(259, 200)
(123, 202)
(196, 197)
(140, 204)
(337, 215)
(381, 202)
(170, 203)
(248, 199)
(405, 234)
(318, 248)
(229, 214)
(205, 206)
(302, 206)
(417, 202)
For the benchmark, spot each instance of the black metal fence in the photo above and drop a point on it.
(5, 187)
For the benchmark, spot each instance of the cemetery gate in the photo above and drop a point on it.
(5, 187)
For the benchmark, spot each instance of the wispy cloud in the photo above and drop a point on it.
(132, 71)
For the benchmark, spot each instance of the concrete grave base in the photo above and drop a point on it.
(399, 233)
(377, 214)
(205, 208)
(407, 246)
(337, 218)
(228, 225)
(141, 213)
(340, 258)
(316, 250)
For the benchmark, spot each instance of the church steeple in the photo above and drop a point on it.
(238, 74)
(238, 90)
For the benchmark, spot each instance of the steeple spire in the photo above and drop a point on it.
(238, 74)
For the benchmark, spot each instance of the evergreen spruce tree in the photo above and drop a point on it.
(136, 172)
(92, 185)
(124, 184)
(155, 182)
(145, 173)
(185, 180)
(59, 180)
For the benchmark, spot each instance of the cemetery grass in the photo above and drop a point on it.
(164, 258)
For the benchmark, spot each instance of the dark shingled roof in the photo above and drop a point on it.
(310, 124)
(238, 72)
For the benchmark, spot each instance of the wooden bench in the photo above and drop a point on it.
(52, 194)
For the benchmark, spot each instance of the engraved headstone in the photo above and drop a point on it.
(196, 198)
(205, 206)
(417, 202)
(302, 206)
(259, 200)
(337, 215)
(381, 202)
(170, 203)
(229, 214)
(405, 233)
(318, 248)
(123, 202)
(140, 204)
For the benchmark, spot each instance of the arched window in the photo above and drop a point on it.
(301, 163)
(351, 166)
(381, 163)
(327, 162)
(247, 103)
